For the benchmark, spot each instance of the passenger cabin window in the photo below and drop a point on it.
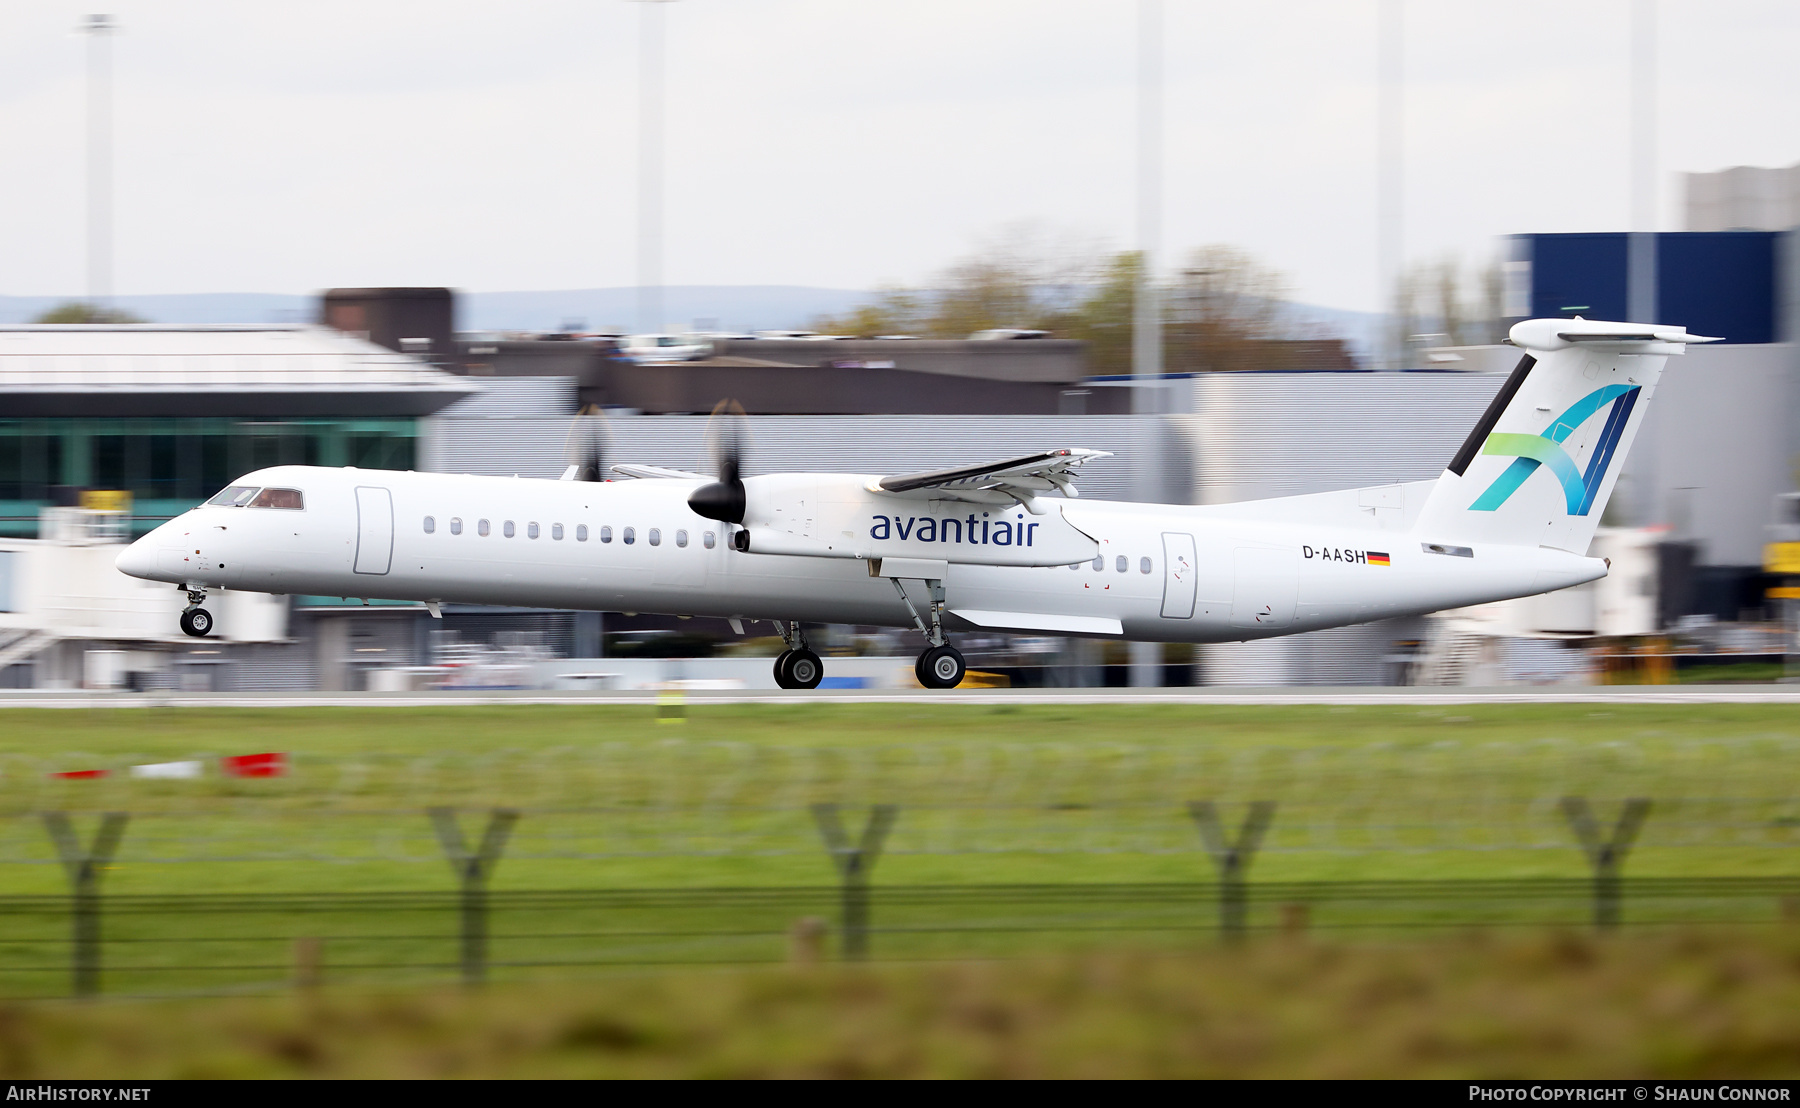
(1143, 565)
(1122, 563)
(630, 535)
(1099, 562)
(482, 527)
(456, 525)
(655, 536)
(681, 538)
(606, 534)
(531, 530)
(556, 531)
(708, 540)
(234, 497)
(580, 532)
(508, 529)
(430, 525)
(280, 498)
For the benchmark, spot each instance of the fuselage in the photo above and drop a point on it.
(1170, 573)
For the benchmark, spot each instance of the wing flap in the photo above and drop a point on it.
(1034, 473)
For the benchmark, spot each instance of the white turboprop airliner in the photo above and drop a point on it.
(981, 546)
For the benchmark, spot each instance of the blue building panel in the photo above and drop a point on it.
(1711, 282)
(1577, 275)
(1718, 283)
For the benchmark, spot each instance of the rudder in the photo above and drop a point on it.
(1539, 467)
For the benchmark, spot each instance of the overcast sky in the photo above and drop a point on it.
(843, 143)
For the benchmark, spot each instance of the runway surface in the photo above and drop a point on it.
(1204, 697)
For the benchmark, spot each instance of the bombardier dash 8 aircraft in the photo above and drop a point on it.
(976, 547)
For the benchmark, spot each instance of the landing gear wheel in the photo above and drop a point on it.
(804, 670)
(941, 667)
(197, 622)
(781, 664)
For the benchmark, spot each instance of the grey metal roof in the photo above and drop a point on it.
(156, 370)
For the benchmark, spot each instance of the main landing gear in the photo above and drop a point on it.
(195, 620)
(941, 666)
(797, 667)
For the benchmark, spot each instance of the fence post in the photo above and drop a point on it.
(853, 866)
(1606, 855)
(1232, 858)
(473, 871)
(84, 868)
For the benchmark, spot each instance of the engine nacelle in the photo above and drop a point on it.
(834, 515)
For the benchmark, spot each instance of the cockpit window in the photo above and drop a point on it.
(280, 498)
(234, 497)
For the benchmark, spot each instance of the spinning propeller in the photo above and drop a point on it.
(723, 499)
(585, 448)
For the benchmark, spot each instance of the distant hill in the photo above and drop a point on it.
(703, 307)
(709, 307)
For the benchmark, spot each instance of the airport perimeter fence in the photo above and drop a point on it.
(370, 868)
(142, 944)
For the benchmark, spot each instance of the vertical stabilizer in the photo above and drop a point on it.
(1540, 466)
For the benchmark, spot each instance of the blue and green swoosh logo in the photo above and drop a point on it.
(1531, 451)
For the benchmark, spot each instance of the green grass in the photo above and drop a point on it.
(1029, 794)
(1070, 797)
(1691, 1004)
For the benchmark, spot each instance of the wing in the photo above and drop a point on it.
(1015, 478)
(648, 472)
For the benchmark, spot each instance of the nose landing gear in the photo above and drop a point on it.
(196, 621)
(797, 667)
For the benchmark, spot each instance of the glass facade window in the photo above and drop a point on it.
(556, 531)
(430, 525)
(508, 529)
(169, 464)
(581, 532)
(456, 525)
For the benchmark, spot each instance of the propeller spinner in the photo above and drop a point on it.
(723, 499)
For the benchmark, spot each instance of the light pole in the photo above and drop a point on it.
(1640, 278)
(1146, 323)
(98, 29)
(650, 166)
(1389, 157)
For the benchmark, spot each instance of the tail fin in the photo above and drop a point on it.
(1540, 466)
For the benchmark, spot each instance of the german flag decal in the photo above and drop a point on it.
(1376, 558)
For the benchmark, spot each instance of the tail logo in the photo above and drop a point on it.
(1531, 451)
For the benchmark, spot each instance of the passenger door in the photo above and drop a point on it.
(1179, 575)
(374, 530)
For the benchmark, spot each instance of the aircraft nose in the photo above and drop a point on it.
(138, 559)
